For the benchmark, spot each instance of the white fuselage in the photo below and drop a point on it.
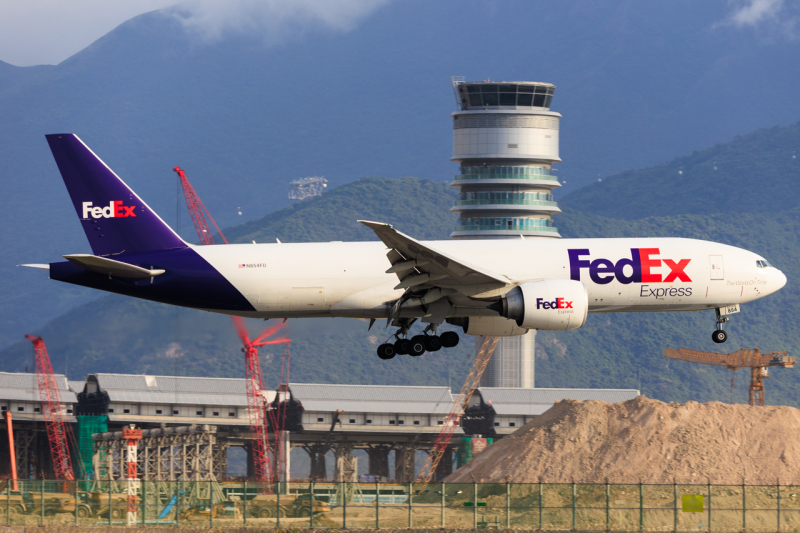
(349, 279)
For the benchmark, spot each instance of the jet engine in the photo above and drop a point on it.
(554, 304)
(489, 326)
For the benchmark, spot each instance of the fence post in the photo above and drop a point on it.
(211, 505)
(474, 506)
(778, 486)
(410, 490)
(574, 498)
(42, 502)
(109, 499)
(675, 504)
(144, 502)
(278, 507)
(344, 505)
(177, 503)
(244, 503)
(744, 506)
(311, 518)
(377, 505)
(508, 505)
(74, 494)
(443, 496)
(540, 504)
(8, 504)
(641, 506)
(709, 505)
(608, 502)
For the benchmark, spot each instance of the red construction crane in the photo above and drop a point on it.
(452, 421)
(52, 408)
(197, 209)
(257, 405)
(277, 416)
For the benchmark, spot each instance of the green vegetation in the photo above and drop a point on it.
(757, 172)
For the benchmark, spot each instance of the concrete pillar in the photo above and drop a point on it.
(445, 466)
(378, 461)
(404, 467)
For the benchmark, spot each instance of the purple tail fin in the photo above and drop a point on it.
(114, 218)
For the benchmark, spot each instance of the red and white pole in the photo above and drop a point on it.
(132, 435)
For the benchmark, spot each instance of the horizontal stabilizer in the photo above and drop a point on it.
(103, 265)
(36, 265)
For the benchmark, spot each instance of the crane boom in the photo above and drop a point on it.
(459, 405)
(743, 358)
(754, 359)
(51, 408)
(198, 211)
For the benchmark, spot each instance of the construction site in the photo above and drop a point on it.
(498, 453)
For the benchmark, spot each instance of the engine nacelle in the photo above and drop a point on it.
(553, 304)
(489, 326)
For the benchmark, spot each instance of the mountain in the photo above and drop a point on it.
(754, 173)
(638, 83)
(611, 351)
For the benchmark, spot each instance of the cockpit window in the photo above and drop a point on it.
(761, 263)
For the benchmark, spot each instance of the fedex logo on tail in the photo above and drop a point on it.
(642, 263)
(115, 209)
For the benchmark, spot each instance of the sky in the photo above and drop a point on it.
(46, 32)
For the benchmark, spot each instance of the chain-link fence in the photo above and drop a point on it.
(545, 506)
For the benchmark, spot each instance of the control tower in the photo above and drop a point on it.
(505, 138)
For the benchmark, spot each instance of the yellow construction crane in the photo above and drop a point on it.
(755, 360)
(459, 405)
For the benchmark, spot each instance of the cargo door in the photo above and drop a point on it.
(308, 298)
(717, 268)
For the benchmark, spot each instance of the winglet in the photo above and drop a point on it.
(375, 225)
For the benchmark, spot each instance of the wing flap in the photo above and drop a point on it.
(414, 260)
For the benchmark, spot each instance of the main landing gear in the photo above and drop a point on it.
(417, 345)
(719, 335)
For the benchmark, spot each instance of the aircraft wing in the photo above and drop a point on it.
(419, 266)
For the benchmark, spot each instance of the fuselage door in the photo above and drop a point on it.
(717, 268)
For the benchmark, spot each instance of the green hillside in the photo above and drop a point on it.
(117, 334)
(757, 172)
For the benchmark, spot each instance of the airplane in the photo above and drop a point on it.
(487, 287)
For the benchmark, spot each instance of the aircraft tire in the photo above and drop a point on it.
(401, 346)
(433, 343)
(417, 346)
(449, 339)
(386, 351)
(719, 336)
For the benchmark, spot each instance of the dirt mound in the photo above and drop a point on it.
(647, 441)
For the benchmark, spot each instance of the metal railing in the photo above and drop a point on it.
(542, 506)
(505, 228)
(506, 202)
(499, 176)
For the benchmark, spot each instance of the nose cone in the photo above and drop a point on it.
(780, 279)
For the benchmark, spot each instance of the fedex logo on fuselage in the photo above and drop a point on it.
(642, 263)
(115, 209)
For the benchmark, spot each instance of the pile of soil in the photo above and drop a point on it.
(648, 441)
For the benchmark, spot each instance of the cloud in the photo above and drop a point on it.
(272, 20)
(756, 11)
(776, 17)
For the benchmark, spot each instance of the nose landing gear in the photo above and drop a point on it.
(719, 335)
